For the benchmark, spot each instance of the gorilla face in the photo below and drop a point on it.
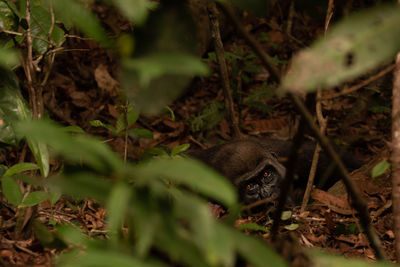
(265, 185)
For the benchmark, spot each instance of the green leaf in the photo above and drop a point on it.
(8, 58)
(71, 235)
(292, 227)
(180, 148)
(40, 27)
(254, 227)
(165, 60)
(42, 233)
(133, 115)
(104, 258)
(54, 196)
(140, 133)
(98, 123)
(82, 185)
(355, 45)
(41, 154)
(286, 215)
(380, 168)
(156, 65)
(7, 17)
(256, 252)
(79, 148)
(134, 10)
(191, 173)
(13, 107)
(71, 11)
(34, 198)
(21, 167)
(11, 190)
(209, 235)
(117, 206)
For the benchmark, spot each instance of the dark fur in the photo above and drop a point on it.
(252, 165)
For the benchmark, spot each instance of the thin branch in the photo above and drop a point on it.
(322, 124)
(360, 85)
(395, 157)
(223, 70)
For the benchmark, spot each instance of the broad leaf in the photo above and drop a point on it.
(355, 45)
(191, 173)
(11, 190)
(80, 148)
(380, 168)
(72, 12)
(34, 198)
(21, 167)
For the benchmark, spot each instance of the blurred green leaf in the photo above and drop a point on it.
(135, 10)
(34, 198)
(41, 154)
(54, 196)
(7, 17)
(178, 149)
(165, 60)
(103, 258)
(82, 185)
(156, 65)
(204, 230)
(380, 168)
(11, 190)
(8, 58)
(117, 206)
(353, 46)
(253, 227)
(21, 167)
(72, 12)
(42, 233)
(140, 133)
(255, 251)
(98, 123)
(191, 173)
(80, 148)
(71, 235)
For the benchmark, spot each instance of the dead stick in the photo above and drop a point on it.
(395, 157)
(219, 51)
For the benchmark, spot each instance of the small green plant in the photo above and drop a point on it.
(209, 117)
(125, 122)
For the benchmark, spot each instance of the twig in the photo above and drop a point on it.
(322, 124)
(360, 85)
(28, 64)
(126, 122)
(259, 203)
(358, 202)
(395, 157)
(219, 51)
(290, 19)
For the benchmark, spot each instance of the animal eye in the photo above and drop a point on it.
(267, 174)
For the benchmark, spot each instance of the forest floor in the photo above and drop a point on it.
(83, 87)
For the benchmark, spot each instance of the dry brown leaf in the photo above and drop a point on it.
(105, 82)
(338, 205)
